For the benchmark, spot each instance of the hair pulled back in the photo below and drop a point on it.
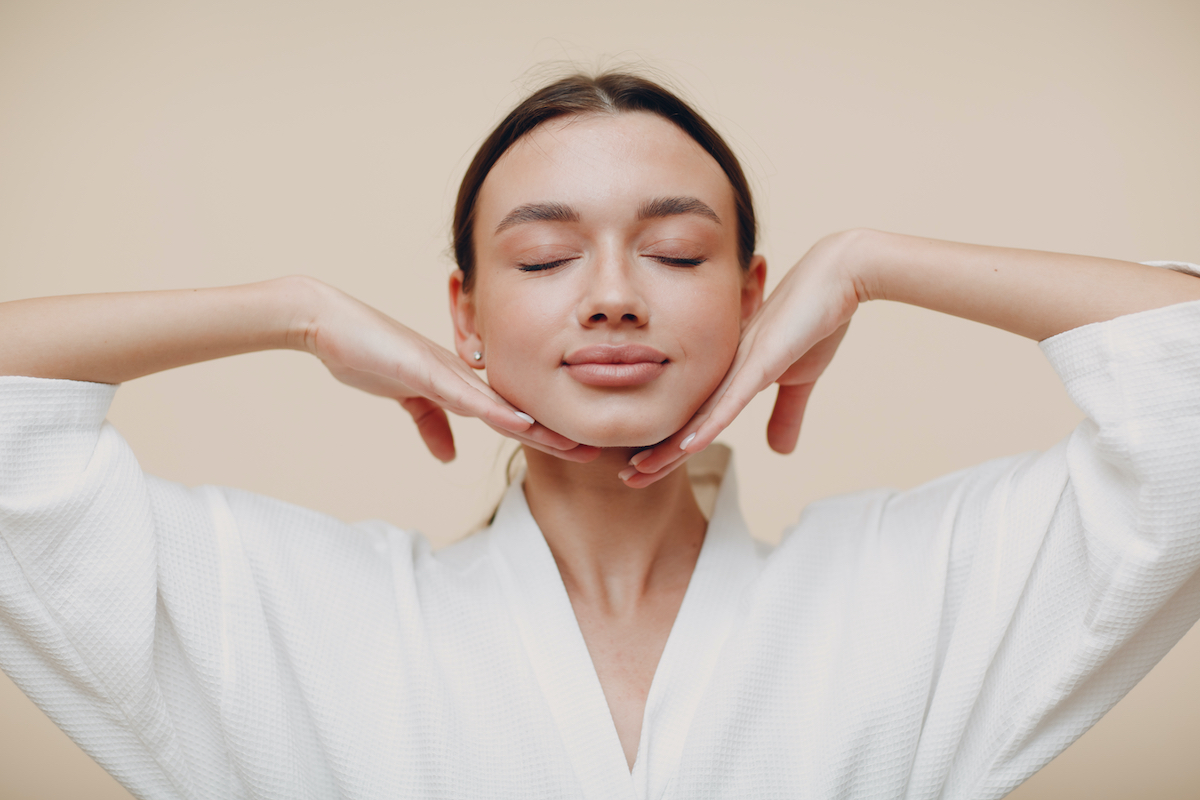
(606, 93)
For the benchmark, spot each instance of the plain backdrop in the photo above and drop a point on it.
(149, 146)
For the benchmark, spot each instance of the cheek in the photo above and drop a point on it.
(519, 337)
(526, 333)
(709, 338)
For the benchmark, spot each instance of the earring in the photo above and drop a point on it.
(478, 356)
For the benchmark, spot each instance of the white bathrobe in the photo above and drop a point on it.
(943, 642)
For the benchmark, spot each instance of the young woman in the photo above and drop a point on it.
(609, 635)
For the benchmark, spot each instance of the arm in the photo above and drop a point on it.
(1009, 605)
(1051, 583)
(134, 611)
(1027, 292)
(112, 338)
(795, 334)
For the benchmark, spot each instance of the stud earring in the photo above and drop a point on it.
(478, 356)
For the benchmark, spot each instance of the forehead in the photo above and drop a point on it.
(603, 164)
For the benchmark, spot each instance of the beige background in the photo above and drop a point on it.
(164, 145)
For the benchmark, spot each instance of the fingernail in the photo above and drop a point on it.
(686, 441)
(524, 416)
(627, 473)
(639, 458)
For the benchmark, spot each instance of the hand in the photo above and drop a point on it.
(789, 341)
(368, 350)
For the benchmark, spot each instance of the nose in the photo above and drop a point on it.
(612, 296)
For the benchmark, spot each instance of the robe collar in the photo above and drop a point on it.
(728, 564)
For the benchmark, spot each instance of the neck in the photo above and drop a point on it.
(614, 545)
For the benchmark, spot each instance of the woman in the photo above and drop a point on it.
(602, 638)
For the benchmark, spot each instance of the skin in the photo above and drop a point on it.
(625, 537)
(606, 277)
(614, 278)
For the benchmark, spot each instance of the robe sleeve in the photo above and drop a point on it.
(1074, 571)
(78, 567)
(169, 630)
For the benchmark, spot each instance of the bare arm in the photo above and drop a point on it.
(112, 338)
(795, 334)
(1028, 292)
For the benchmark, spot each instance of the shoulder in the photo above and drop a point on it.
(917, 531)
(466, 554)
(889, 511)
(270, 542)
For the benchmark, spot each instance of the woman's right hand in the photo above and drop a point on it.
(112, 338)
(366, 349)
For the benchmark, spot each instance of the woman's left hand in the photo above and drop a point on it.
(789, 341)
(794, 335)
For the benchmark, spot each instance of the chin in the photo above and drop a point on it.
(619, 441)
(621, 431)
(640, 417)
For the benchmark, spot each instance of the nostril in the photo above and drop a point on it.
(629, 318)
(597, 318)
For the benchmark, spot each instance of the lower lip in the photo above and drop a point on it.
(636, 374)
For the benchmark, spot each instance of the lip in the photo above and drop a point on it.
(615, 364)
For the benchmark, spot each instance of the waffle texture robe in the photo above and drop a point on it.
(942, 642)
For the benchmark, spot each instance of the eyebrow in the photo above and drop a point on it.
(651, 209)
(674, 206)
(538, 212)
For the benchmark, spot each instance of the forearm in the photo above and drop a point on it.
(1032, 293)
(111, 338)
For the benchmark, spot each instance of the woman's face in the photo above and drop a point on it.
(608, 298)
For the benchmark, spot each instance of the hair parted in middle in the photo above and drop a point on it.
(606, 93)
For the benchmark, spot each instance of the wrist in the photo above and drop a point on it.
(858, 256)
(300, 304)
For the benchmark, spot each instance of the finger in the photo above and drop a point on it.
(540, 435)
(468, 396)
(433, 425)
(671, 449)
(783, 429)
(640, 480)
(664, 453)
(749, 381)
(474, 397)
(544, 436)
(460, 391)
(580, 453)
(812, 364)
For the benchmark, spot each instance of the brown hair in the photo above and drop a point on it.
(611, 93)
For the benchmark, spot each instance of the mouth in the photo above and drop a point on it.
(615, 365)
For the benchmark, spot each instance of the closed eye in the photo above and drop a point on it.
(680, 262)
(542, 266)
(674, 262)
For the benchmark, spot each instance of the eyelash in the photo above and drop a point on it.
(540, 267)
(675, 262)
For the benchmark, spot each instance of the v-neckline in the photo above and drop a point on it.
(725, 568)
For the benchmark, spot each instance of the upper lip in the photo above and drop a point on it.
(615, 354)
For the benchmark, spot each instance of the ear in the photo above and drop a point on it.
(462, 310)
(753, 281)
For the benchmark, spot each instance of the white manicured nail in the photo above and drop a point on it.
(627, 473)
(686, 441)
(524, 416)
(639, 458)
